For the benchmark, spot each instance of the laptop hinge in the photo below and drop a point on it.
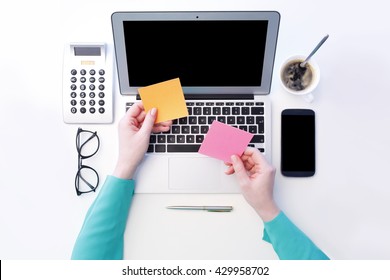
(218, 96)
(215, 96)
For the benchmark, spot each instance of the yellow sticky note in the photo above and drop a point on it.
(167, 97)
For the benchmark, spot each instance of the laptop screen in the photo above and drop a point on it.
(211, 52)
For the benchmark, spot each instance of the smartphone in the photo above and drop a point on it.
(298, 143)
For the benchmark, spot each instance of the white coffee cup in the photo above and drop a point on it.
(298, 84)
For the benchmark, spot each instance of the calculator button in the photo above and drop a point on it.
(87, 92)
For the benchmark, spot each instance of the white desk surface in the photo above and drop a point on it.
(344, 208)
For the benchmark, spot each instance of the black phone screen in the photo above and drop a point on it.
(298, 143)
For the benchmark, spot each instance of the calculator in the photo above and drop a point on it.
(87, 85)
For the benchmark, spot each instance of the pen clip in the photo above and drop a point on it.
(219, 210)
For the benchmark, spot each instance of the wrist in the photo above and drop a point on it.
(268, 212)
(124, 171)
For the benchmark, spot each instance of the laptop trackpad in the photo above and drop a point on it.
(195, 173)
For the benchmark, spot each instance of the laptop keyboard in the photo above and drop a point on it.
(187, 134)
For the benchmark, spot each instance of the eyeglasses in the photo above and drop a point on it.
(87, 144)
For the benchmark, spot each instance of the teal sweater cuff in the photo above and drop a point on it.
(288, 241)
(101, 236)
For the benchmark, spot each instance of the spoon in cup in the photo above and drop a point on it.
(303, 63)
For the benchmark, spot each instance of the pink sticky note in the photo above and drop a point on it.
(222, 141)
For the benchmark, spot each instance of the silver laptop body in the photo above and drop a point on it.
(225, 63)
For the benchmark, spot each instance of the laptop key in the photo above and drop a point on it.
(221, 119)
(260, 120)
(245, 110)
(258, 139)
(199, 138)
(153, 139)
(236, 111)
(202, 120)
(185, 129)
(192, 120)
(231, 120)
(194, 129)
(161, 138)
(190, 148)
(183, 120)
(240, 120)
(175, 129)
(204, 129)
(211, 119)
(180, 139)
(190, 139)
(197, 111)
(159, 148)
(206, 110)
(261, 128)
(226, 111)
(257, 110)
(252, 129)
(216, 110)
(250, 120)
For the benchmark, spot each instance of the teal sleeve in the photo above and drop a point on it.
(289, 242)
(101, 236)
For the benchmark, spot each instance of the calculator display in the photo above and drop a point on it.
(87, 51)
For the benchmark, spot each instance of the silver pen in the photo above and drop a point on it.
(205, 208)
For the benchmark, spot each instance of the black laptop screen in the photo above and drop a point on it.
(201, 53)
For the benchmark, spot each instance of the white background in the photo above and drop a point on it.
(344, 208)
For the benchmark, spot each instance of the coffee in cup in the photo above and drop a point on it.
(300, 80)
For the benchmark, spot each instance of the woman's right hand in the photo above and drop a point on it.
(256, 179)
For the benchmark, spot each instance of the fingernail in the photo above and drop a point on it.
(153, 111)
(233, 158)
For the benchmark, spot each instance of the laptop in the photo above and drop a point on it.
(224, 61)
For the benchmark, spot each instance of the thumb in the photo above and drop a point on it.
(240, 171)
(148, 123)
